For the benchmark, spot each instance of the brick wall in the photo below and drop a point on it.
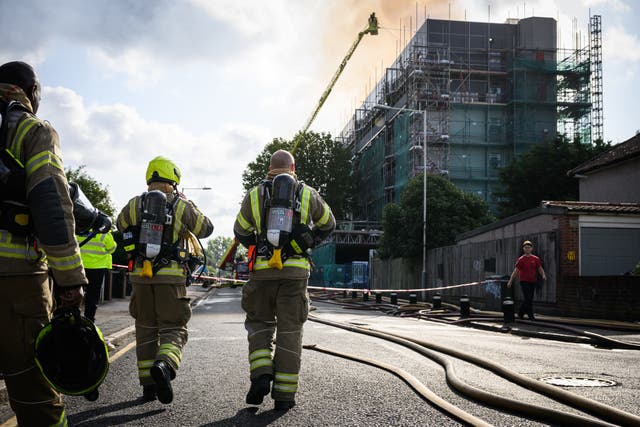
(610, 297)
(569, 244)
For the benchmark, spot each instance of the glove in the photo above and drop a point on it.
(302, 238)
(246, 240)
(69, 297)
(102, 223)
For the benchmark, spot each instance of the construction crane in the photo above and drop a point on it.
(372, 28)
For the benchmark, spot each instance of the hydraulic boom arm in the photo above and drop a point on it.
(372, 29)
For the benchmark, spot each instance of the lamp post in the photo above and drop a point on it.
(424, 183)
(194, 188)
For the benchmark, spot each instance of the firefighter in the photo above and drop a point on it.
(159, 300)
(96, 259)
(36, 234)
(279, 221)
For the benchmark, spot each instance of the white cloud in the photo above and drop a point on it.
(620, 46)
(617, 5)
(116, 143)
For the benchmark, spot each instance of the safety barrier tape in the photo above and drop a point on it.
(484, 282)
(365, 290)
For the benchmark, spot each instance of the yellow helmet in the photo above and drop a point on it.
(163, 169)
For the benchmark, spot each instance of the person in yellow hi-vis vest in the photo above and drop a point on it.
(155, 227)
(36, 234)
(280, 220)
(96, 258)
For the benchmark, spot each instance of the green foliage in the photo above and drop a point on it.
(450, 212)
(97, 193)
(321, 162)
(541, 174)
(257, 170)
(217, 247)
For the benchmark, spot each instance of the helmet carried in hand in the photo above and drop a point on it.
(71, 353)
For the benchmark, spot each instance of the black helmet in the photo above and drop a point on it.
(71, 354)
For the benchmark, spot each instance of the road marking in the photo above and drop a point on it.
(122, 352)
(13, 422)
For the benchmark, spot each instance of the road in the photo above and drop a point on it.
(211, 385)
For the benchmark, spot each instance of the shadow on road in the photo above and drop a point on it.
(248, 417)
(89, 417)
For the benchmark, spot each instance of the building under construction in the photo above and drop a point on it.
(490, 92)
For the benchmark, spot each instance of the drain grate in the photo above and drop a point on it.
(578, 382)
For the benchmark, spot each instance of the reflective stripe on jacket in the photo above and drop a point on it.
(313, 212)
(96, 253)
(187, 218)
(35, 145)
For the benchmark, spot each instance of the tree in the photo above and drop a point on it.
(217, 247)
(97, 193)
(541, 174)
(321, 162)
(450, 212)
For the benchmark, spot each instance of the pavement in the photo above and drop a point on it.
(117, 325)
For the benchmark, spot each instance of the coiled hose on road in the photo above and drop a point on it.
(417, 310)
(590, 406)
(419, 388)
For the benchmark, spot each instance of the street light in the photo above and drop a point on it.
(424, 183)
(194, 188)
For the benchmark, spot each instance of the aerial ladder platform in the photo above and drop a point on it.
(371, 28)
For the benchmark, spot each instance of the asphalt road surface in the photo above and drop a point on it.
(212, 383)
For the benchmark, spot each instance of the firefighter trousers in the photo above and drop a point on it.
(278, 306)
(25, 307)
(161, 312)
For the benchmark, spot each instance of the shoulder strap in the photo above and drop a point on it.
(5, 109)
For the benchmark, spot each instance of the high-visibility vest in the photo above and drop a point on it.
(96, 253)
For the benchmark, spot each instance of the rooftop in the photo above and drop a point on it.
(616, 154)
(556, 207)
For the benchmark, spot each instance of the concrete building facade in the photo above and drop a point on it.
(490, 91)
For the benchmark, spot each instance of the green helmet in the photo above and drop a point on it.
(71, 354)
(163, 169)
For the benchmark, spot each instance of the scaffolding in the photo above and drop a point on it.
(595, 52)
(490, 91)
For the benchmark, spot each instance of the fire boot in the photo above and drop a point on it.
(162, 374)
(284, 405)
(149, 392)
(260, 387)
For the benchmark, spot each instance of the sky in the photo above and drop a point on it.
(208, 83)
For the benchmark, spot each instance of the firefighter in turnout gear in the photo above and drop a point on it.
(280, 220)
(36, 234)
(155, 226)
(96, 258)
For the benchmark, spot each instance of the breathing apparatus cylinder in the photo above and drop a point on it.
(83, 211)
(280, 221)
(154, 216)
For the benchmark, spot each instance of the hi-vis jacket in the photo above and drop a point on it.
(314, 212)
(35, 144)
(186, 218)
(96, 253)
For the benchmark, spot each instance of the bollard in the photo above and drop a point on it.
(365, 296)
(508, 309)
(413, 299)
(437, 301)
(465, 306)
(378, 298)
(354, 294)
(394, 298)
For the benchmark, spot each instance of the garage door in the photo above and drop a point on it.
(608, 251)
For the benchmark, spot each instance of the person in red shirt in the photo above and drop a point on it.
(526, 268)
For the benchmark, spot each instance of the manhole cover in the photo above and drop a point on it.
(578, 382)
